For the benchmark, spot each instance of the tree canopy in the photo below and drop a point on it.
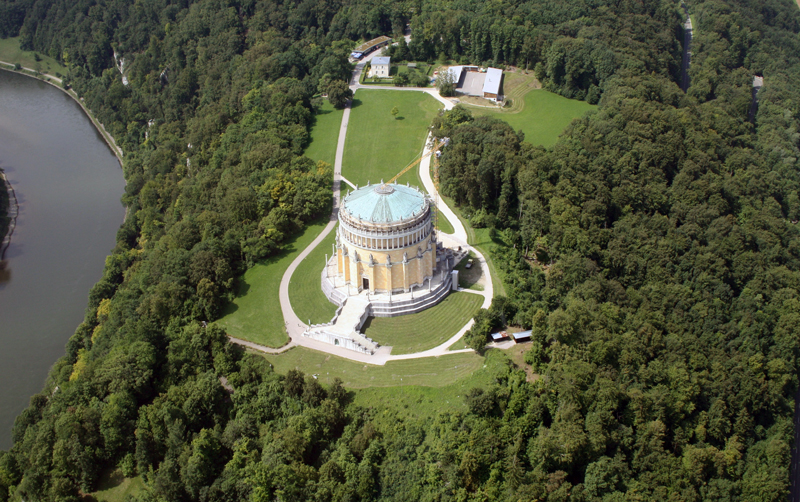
(653, 252)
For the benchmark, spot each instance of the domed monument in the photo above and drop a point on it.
(385, 242)
(387, 262)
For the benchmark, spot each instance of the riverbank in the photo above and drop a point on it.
(52, 79)
(10, 206)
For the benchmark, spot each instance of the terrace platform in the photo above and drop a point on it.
(356, 307)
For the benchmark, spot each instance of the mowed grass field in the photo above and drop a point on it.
(113, 487)
(10, 52)
(427, 371)
(378, 145)
(431, 327)
(255, 314)
(411, 388)
(325, 134)
(305, 292)
(428, 400)
(541, 115)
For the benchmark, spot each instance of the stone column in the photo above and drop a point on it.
(405, 273)
(389, 285)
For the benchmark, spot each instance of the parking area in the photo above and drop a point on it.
(473, 83)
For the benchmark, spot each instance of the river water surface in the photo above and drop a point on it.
(69, 185)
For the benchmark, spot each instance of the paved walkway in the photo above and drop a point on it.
(295, 327)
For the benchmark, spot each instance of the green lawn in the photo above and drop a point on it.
(544, 116)
(415, 388)
(325, 134)
(424, 68)
(427, 371)
(255, 314)
(305, 293)
(444, 224)
(379, 146)
(469, 277)
(481, 239)
(113, 487)
(431, 327)
(11, 53)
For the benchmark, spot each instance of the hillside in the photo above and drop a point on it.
(653, 251)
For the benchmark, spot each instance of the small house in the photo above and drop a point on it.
(381, 67)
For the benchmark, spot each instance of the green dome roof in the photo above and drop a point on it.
(385, 203)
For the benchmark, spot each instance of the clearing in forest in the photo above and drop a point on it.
(427, 329)
(114, 487)
(10, 52)
(541, 115)
(410, 388)
(428, 371)
(378, 145)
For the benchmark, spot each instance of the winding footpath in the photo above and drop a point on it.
(686, 59)
(295, 327)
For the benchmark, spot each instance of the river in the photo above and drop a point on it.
(69, 185)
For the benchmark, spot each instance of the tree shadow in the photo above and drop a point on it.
(355, 103)
(399, 118)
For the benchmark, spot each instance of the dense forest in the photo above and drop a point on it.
(653, 251)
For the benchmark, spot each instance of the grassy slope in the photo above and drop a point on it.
(305, 293)
(255, 313)
(428, 371)
(378, 146)
(468, 277)
(113, 487)
(325, 134)
(542, 117)
(545, 116)
(444, 224)
(417, 332)
(412, 388)
(11, 53)
(480, 238)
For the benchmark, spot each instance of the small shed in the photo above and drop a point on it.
(499, 336)
(381, 66)
(522, 336)
(491, 86)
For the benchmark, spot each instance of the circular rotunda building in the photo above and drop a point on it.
(385, 240)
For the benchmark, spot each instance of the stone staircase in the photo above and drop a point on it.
(344, 329)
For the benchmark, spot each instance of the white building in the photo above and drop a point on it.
(381, 66)
(491, 86)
